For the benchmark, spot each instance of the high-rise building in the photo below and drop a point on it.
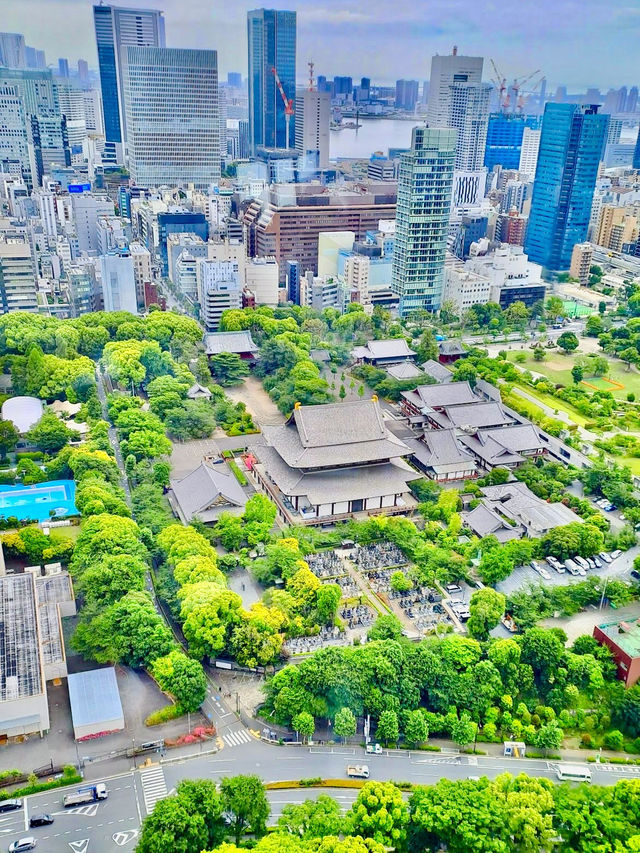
(87, 209)
(13, 50)
(272, 45)
(406, 94)
(469, 115)
(632, 99)
(72, 107)
(35, 58)
(529, 152)
(83, 71)
(17, 277)
(571, 146)
(14, 141)
(115, 29)
(580, 267)
(422, 218)
(63, 67)
(234, 79)
(505, 132)
(636, 152)
(171, 108)
(219, 289)
(445, 71)
(343, 85)
(313, 118)
(46, 127)
(82, 288)
(118, 281)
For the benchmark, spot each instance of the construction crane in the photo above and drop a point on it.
(288, 104)
(532, 91)
(517, 85)
(500, 82)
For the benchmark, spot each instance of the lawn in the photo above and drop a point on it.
(557, 367)
(554, 403)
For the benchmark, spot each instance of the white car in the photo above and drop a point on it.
(542, 572)
(616, 554)
(604, 556)
(27, 843)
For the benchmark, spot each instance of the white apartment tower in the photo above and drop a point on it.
(447, 71)
(118, 281)
(469, 115)
(172, 116)
(313, 117)
(529, 152)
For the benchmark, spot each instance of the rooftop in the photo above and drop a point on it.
(437, 371)
(390, 348)
(404, 370)
(626, 635)
(20, 665)
(335, 434)
(94, 697)
(23, 412)
(471, 416)
(238, 342)
(205, 492)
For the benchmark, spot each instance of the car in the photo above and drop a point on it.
(605, 556)
(10, 805)
(598, 562)
(542, 572)
(533, 565)
(41, 820)
(609, 507)
(615, 554)
(635, 574)
(26, 843)
(453, 587)
(591, 562)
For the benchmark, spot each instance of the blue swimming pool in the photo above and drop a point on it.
(40, 501)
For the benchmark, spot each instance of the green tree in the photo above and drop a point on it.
(181, 677)
(487, 608)
(172, 826)
(568, 341)
(51, 434)
(380, 813)
(245, 799)
(344, 724)
(9, 436)
(577, 373)
(629, 355)
(554, 307)
(312, 818)
(539, 354)
(201, 797)
(386, 627)
(327, 600)
(228, 368)
(495, 565)
(416, 730)
(400, 582)
(342, 393)
(387, 730)
(549, 736)
(463, 731)
(304, 724)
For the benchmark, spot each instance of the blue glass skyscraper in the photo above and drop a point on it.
(571, 145)
(116, 28)
(272, 45)
(504, 139)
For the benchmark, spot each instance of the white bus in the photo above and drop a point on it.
(573, 773)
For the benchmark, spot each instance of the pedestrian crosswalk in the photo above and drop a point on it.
(236, 737)
(154, 786)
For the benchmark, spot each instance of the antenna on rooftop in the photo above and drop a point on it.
(312, 82)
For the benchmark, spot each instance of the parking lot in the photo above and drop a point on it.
(102, 826)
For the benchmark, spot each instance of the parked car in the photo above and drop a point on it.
(635, 574)
(542, 572)
(453, 587)
(605, 556)
(598, 562)
(572, 568)
(615, 554)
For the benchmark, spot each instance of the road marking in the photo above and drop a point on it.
(122, 838)
(79, 846)
(237, 737)
(154, 787)
(88, 811)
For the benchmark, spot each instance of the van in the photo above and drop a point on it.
(572, 567)
(10, 805)
(581, 562)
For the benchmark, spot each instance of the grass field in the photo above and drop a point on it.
(554, 403)
(557, 368)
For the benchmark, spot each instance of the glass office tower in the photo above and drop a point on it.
(116, 28)
(422, 218)
(571, 145)
(272, 45)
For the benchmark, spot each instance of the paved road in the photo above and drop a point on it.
(113, 436)
(106, 826)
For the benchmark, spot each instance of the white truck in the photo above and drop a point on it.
(358, 771)
(86, 795)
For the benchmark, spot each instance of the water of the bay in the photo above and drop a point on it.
(373, 135)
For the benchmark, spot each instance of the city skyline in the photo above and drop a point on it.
(351, 41)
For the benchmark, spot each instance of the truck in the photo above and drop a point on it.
(374, 749)
(86, 795)
(358, 771)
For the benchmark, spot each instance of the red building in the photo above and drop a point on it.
(623, 638)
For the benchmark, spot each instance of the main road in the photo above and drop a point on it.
(105, 826)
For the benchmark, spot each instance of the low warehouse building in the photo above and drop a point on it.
(96, 708)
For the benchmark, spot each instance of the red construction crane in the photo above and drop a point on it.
(500, 82)
(288, 103)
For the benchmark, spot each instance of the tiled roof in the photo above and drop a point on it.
(238, 342)
(196, 492)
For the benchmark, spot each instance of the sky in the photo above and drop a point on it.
(577, 43)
